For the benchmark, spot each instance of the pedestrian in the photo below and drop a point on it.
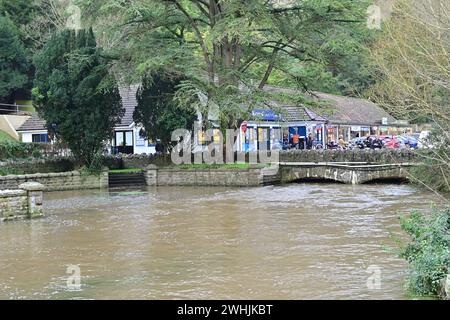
(309, 142)
(342, 143)
(295, 140)
(159, 147)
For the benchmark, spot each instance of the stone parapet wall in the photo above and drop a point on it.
(42, 165)
(73, 180)
(365, 155)
(25, 202)
(252, 176)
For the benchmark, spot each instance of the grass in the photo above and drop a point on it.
(132, 170)
(4, 137)
(214, 166)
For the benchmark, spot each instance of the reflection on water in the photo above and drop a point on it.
(300, 241)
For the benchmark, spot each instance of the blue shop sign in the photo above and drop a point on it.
(264, 114)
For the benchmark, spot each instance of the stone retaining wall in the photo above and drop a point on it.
(372, 156)
(73, 180)
(25, 202)
(252, 176)
(43, 165)
(383, 156)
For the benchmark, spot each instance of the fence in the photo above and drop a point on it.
(14, 109)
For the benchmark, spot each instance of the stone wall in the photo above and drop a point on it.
(383, 156)
(64, 164)
(25, 202)
(372, 156)
(43, 165)
(133, 161)
(73, 180)
(252, 176)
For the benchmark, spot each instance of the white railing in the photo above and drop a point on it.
(6, 108)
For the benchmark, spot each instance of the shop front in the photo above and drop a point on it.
(305, 129)
(260, 136)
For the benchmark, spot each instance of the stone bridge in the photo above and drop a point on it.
(350, 173)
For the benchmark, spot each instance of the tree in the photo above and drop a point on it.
(413, 78)
(13, 62)
(35, 20)
(223, 45)
(76, 94)
(157, 109)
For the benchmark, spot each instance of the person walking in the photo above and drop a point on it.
(296, 140)
(342, 143)
(309, 142)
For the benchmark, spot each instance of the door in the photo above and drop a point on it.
(263, 138)
(124, 142)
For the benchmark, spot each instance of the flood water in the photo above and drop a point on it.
(299, 241)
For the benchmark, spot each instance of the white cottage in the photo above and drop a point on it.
(126, 139)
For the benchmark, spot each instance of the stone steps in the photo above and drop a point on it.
(126, 179)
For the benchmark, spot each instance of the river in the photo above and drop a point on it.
(298, 241)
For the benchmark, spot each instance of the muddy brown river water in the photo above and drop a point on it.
(299, 241)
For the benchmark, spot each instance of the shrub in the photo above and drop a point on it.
(8, 171)
(18, 150)
(428, 251)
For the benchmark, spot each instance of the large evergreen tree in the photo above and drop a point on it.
(13, 62)
(76, 94)
(157, 109)
(222, 44)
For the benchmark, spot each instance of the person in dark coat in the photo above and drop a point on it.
(159, 147)
(309, 142)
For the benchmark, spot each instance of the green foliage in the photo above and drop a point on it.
(95, 166)
(5, 137)
(428, 252)
(17, 150)
(202, 166)
(221, 45)
(132, 170)
(10, 171)
(76, 94)
(13, 62)
(35, 20)
(434, 171)
(157, 110)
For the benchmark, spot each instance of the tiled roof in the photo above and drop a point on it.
(33, 123)
(129, 103)
(353, 110)
(299, 113)
(346, 110)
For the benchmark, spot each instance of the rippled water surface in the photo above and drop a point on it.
(299, 241)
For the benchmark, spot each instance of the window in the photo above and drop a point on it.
(40, 138)
(129, 139)
(119, 139)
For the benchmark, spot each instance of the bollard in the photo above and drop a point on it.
(34, 198)
(151, 175)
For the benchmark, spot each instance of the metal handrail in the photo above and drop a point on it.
(16, 108)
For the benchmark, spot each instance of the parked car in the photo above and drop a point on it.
(357, 143)
(393, 143)
(408, 140)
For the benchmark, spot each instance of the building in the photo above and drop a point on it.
(126, 139)
(127, 134)
(266, 129)
(346, 116)
(352, 117)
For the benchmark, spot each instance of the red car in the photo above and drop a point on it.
(392, 143)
